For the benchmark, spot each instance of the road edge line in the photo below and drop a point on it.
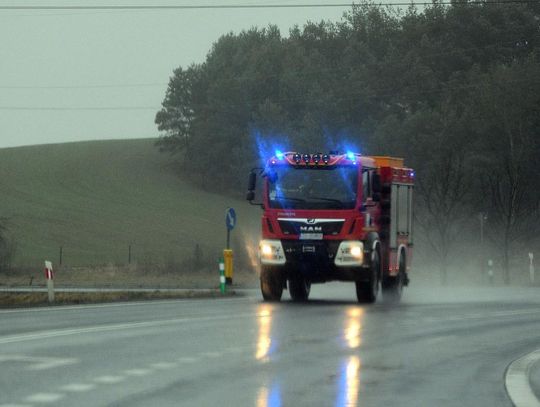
(517, 382)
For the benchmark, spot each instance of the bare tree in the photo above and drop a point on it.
(509, 105)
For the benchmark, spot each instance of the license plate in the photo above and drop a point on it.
(311, 236)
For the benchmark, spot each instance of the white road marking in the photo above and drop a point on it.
(496, 314)
(235, 349)
(78, 387)
(517, 381)
(118, 304)
(109, 379)
(163, 365)
(44, 397)
(211, 354)
(15, 405)
(137, 372)
(441, 338)
(38, 362)
(114, 327)
(187, 359)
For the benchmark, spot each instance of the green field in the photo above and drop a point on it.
(95, 199)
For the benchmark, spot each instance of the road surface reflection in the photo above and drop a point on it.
(349, 375)
(264, 339)
(269, 396)
(270, 392)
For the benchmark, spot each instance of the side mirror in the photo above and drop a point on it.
(376, 184)
(252, 182)
(252, 185)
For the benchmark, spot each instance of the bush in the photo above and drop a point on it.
(7, 248)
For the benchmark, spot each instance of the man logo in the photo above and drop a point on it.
(311, 229)
(311, 221)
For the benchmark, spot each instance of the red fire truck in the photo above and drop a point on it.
(336, 216)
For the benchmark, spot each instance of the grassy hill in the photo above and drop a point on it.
(94, 199)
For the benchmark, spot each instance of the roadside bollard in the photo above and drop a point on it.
(49, 276)
(228, 258)
(531, 267)
(221, 276)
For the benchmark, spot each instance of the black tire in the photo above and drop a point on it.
(271, 284)
(299, 288)
(392, 287)
(366, 291)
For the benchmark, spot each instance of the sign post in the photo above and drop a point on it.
(49, 276)
(531, 267)
(230, 222)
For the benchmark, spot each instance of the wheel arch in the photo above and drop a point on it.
(373, 243)
(402, 254)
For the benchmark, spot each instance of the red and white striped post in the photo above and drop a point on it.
(49, 276)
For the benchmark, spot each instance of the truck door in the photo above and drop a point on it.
(368, 203)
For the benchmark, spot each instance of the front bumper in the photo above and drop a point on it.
(316, 261)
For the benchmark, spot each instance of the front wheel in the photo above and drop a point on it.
(299, 288)
(271, 284)
(366, 291)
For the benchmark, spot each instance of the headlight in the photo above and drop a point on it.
(350, 253)
(356, 251)
(266, 250)
(271, 252)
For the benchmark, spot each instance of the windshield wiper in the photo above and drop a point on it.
(320, 198)
(284, 198)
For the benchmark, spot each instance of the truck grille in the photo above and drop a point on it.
(324, 226)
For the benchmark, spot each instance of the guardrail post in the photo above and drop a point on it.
(490, 271)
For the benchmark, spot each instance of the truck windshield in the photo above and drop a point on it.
(313, 188)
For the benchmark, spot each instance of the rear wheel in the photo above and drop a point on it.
(271, 284)
(366, 291)
(392, 287)
(299, 288)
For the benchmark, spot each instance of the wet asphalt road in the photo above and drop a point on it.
(438, 348)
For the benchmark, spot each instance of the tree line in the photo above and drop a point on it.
(455, 89)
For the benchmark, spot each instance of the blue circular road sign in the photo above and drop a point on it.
(230, 218)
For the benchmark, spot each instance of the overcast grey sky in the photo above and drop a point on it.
(53, 61)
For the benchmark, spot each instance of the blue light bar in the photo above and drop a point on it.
(279, 155)
(351, 156)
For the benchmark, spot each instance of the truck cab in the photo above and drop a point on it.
(336, 216)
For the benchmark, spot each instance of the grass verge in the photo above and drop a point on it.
(33, 299)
